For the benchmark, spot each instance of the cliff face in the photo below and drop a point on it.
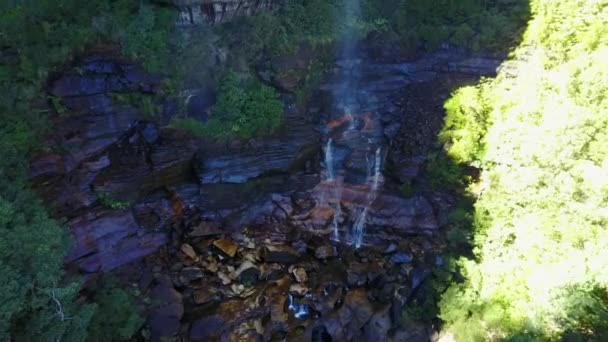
(195, 12)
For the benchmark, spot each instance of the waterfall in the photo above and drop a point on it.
(336, 189)
(358, 229)
(377, 169)
(329, 162)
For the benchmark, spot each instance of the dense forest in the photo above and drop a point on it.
(535, 260)
(539, 225)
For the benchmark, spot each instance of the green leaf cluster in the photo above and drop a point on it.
(117, 317)
(297, 22)
(472, 24)
(245, 108)
(538, 131)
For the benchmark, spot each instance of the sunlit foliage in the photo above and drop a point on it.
(541, 221)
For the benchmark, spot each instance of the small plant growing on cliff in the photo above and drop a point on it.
(111, 203)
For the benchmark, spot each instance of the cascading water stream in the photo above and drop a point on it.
(354, 138)
(359, 225)
(329, 161)
(334, 200)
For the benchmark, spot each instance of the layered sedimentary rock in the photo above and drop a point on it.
(101, 156)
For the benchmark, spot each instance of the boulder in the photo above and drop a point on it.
(207, 328)
(402, 258)
(227, 247)
(325, 251)
(164, 319)
(280, 254)
(188, 275)
(247, 273)
(379, 325)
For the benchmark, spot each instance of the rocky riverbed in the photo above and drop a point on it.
(230, 241)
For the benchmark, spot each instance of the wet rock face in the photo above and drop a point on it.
(102, 156)
(288, 151)
(106, 240)
(197, 12)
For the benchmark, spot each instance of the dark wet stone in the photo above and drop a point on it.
(418, 276)
(76, 85)
(324, 252)
(360, 308)
(107, 240)
(206, 328)
(320, 334)
(205, 228)
(205, 295)
(391, 248)
(98, 103)
(378, 326)
(164, 319)
(402, 258)
(149, 132)
(249, 276)
(280, 254)
(98, 80)
(97, 65)
(300, 246)
(190, 274)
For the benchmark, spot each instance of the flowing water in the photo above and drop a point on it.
(329, 162)
(349, 129)
(375, 174)
(299, 310)
(335, 189)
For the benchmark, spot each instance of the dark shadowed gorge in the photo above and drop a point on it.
(292, 170)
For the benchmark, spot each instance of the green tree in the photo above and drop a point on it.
(36, 38)
(539, 270)
(245, 108)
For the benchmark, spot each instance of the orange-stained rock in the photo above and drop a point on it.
(227, 247)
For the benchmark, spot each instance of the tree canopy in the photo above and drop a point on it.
(541, 221)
